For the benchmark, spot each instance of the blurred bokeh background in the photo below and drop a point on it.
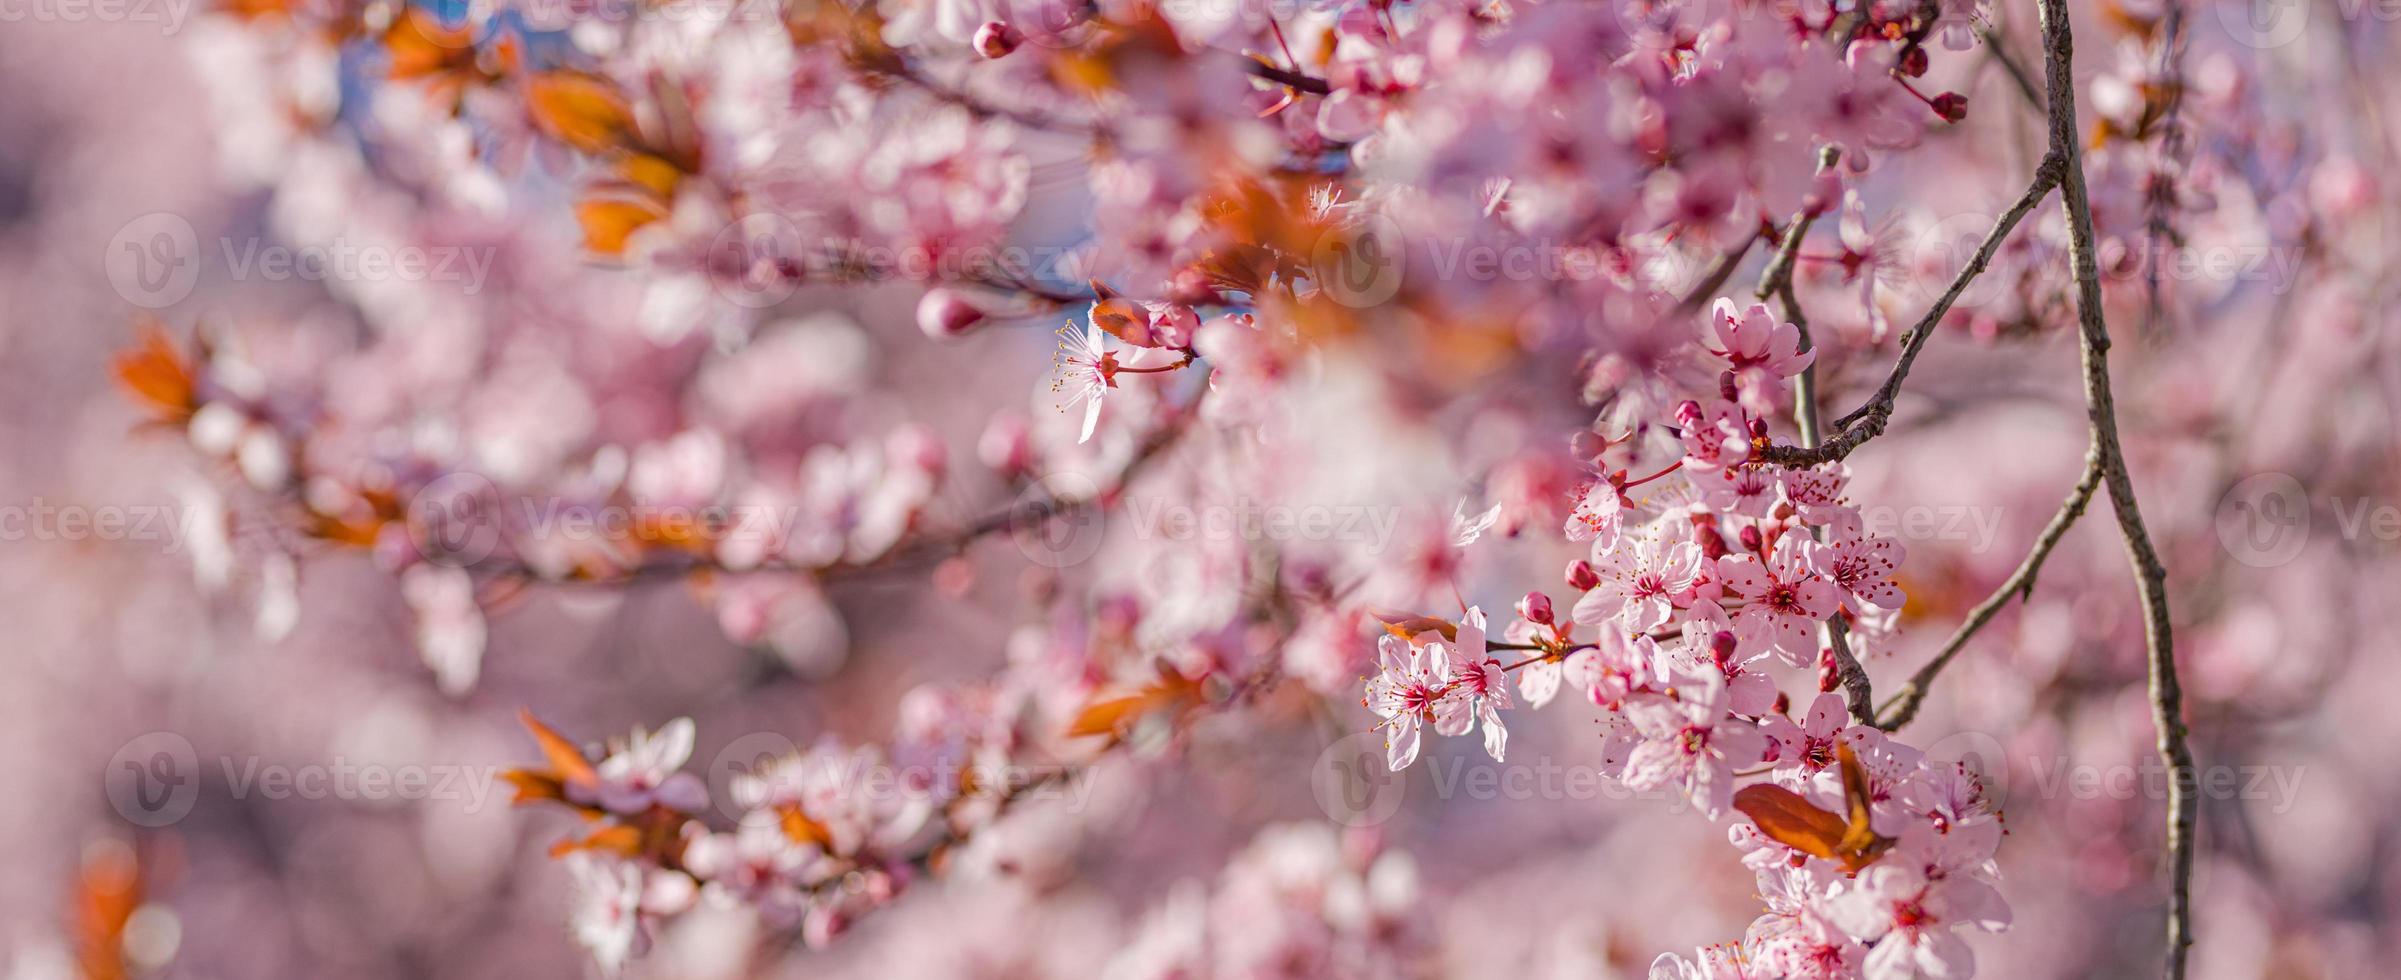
(2261, 425)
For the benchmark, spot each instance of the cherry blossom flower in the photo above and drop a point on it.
(1816, 493)
(1598, 516)
(643, 772)
(1862, 568)
(1479, 678)
(618, 901)
(1087, 371)
(1412, 689)
(1760, 350)
(1639, 582)
(1690, 742)
(1808, 747)
(1466, 528)
(1708, 643)
(1745, 489)
(1785, 598)
(757, 864)
(1913, 922)
(1713, 435)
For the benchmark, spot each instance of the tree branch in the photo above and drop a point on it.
(1867, 421)
(2020, 585)
(2150, 575)
(1301, 81)
(1776, 280)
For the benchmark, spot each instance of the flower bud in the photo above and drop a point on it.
(1751, 541)
(1713, 544)
(1952, 106)
(1688, 414)
(1587, 444)
(1913, 62)
(1536, 608)
(944, 314)
(1006, 446)
(1722, 646)
(1581, 577)
(996, 39)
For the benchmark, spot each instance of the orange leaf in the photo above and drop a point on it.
(1416, 625)
(1114, 716)
(624, 840)
(803, 829)
(579, 110)
(609, 221)
(534, 787)
(421, 46)
(567, 763)
(1789, 820)
(107, 891)
(158, 374)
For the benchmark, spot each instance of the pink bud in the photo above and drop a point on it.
(1952, 106)
(1750, 538)
(1713, 544)
(1722, 646)
(944, 314)
(1535, 607)
(1587, 444)
(996, 39)
(1006, 446)
(1581, 577)
(1913, 62)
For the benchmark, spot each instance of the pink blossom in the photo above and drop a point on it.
(1639, 582)
(1784, 599)
(643, 771)
(1412, 689)
(1912, 921)
(1087, 371)
(1690, 743)
(1862, 568)
(1760, 350)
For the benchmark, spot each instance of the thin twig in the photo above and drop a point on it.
(1719, 272)
(2150, 575)
(1302, 81)
(1776, 280)
(1998, 46)
(2020, 585)
(1867, 421)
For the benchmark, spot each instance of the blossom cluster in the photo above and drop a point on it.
(757, 314)
(1690, 600)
